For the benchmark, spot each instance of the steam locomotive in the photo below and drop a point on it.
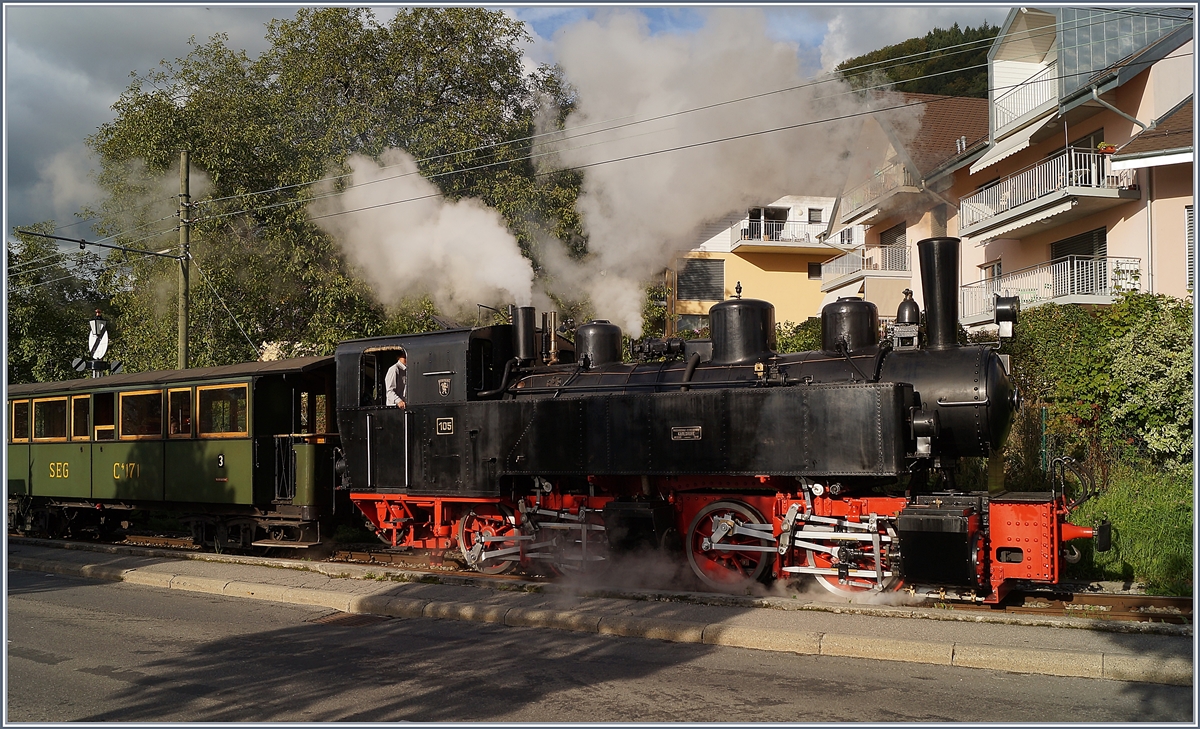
(518, 447)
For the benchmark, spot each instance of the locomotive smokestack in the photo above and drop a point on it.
(939, 282)
(525, 334)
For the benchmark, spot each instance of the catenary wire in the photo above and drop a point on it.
(77, 263)
(563, 134)
(647, 154)
(236, 323)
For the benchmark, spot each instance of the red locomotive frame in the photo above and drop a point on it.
(730, 529)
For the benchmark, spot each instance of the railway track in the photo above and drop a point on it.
(1096, 606)
(1117, 607)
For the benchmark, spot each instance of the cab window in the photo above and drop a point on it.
(19, 423)
(222, 410)
(80, 409)
(370, 388)
(50, 419)
(141, 414)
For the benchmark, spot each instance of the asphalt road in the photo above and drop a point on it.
(80, 650)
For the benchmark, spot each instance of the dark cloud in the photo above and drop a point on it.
(67, 65)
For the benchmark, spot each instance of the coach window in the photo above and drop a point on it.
(179, 413)
(19, 424)
(104, 416)
(50, 419)
(80, 410)
(222, 411)
(141, 414)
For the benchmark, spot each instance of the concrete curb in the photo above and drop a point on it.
(1113, 666)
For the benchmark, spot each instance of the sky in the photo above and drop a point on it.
(65, 66)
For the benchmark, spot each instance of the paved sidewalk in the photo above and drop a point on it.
(1057, 647)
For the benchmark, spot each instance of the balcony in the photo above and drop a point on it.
(1079, 182)
(894, 177)
(1069, 280)
(779, 235)
(1030, 95)
(891, 261)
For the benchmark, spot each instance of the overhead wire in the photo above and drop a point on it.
(21, 267)
(79, 263)
(223, 306)
(687, 146)
(564, 134)
(965, 47)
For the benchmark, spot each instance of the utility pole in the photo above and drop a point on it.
(185, 241)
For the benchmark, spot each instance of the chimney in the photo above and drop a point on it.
(939, 282)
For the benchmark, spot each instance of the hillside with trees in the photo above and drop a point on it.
(949, 61)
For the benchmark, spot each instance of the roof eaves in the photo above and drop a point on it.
(1151, 154)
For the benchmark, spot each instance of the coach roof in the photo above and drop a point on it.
(164, 377)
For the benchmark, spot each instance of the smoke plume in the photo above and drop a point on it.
(405, 239)
(653, 177)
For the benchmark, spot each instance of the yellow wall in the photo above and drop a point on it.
(780, 278)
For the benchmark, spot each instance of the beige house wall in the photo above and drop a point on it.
(1129, 232)
(1173, 192)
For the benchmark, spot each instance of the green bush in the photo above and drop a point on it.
(802, 337)
(1113, 383)
(1112, 388)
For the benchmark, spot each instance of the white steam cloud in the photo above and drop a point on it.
(642, 204)
(672, 132)
(406, 239)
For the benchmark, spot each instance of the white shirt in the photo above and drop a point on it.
(396, 384)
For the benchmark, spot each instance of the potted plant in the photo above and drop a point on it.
(1106, 148)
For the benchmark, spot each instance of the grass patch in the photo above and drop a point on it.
(1151, 510)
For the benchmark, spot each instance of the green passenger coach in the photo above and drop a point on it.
(243, 453)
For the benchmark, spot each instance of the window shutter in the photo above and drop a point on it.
(702, 279)
(1091, 243)
(893, 236)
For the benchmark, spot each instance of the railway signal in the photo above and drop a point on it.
(97, 348)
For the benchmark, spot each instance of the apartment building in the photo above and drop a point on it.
(1053, 214)
(1072, 182)
(775, 251)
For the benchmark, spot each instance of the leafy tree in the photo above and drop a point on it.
(51, 297)
(937, 63)
(446, 85)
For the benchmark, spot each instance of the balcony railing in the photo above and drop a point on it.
(1073, 168)
(1029, 95)
(1069, 276)
(785, 232)
(876, 258)
(882, 182)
